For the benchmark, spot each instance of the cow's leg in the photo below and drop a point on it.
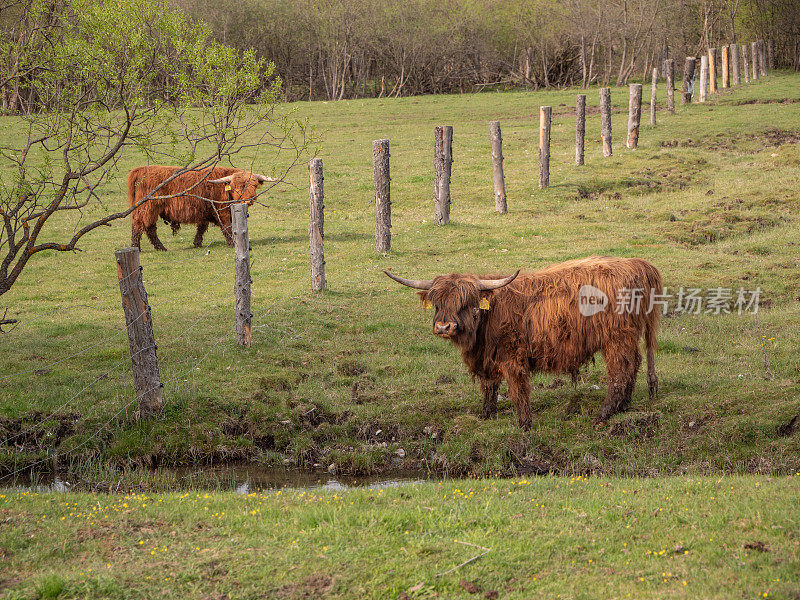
(489, 389)
(519, 387)
(153, 235)
(622, 364)
(136, 237)
(225, 225)
(198, 237)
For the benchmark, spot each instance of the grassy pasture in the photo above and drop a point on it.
(712, 198)
(549, 537)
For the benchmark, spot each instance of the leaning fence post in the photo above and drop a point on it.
(444, 145)
(634, 115)
(736, 77)
(745, 64)
(703, 77)
(605, 120)
(653, 97)
(139, 323)
(670, 76)
(241, 284)
(545, 113)
(316, 223)
(496, 139)
(688, 75)
(754, 59)
(712, 70)
(383, 203)
(580, 128)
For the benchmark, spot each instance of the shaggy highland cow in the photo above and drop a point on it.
(197, 197)
(553, 320)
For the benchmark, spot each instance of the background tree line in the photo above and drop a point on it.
(335, 49)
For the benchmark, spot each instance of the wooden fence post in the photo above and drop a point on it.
(316, 223)
(670, 75)
(443, 162)
(754, 59)
(770, 56)
(580, 128)
(241, 280)
(496, 139)
(139, 323)
(703, 77)
(762, 58)
(688, 76)
(605, 120)
(712, 70)
(653, 97)
(545, 114)
(726, 73)
(383, 204)
(745, 64)
(634, 115)
(736, 77)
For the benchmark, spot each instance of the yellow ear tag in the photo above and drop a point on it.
(427, 303)
(228, 188)
(484, 304)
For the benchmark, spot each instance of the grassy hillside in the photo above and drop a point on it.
(550, 537)
(712, 198)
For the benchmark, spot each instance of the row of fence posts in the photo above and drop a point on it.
(147, 380)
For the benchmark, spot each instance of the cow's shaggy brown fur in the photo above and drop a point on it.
(189, 198)
(534, 324)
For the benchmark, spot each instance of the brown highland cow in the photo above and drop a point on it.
(197, 197)
(553, 320)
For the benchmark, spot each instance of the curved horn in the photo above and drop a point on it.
(492, 284)
(262, 178)
(227, 179)
(412, 283)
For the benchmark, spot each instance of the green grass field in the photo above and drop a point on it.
(549, 537)
(712, 198)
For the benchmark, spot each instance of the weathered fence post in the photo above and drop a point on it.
(736, 77)
(754, 58)
(496, 138)
(688, 76)
(241, 278)
(770, 56)
(545, 114)
(670, 75)
(745, 64)
(316, 223)
(139, 323)
(712, 70)
(383, 204)
(605, 120)
(580, 128)
(653, 97)
(726, 73)
(634, 115)
(703, 77)
(443, 162)
(762, 58)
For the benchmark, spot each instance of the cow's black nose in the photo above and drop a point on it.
(444, 328)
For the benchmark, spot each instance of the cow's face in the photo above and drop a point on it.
(457, 301)
(242, 186)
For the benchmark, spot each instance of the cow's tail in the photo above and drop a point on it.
(134, 177)
(650, 330)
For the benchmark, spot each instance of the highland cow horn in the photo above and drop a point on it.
(412, 283)
(262, 178)
(485, 285)
(227, 179)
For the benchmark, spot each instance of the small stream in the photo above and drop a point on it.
(240, 479)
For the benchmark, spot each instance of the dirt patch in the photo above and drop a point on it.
(758, 546)
(351, 368)
(470, 586)
(769, 138)
(647, 181)
(766, 101)
(375, 431)
(36, 431)
(718, 226)
(787, 428)
(635, 426)
(314, 586)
